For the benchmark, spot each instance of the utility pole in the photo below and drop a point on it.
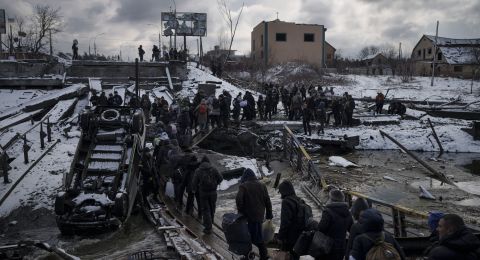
(399, 51)
(51, 47)
(434, 56)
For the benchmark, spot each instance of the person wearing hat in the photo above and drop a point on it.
(335, 222)
(254, 203)
(359, 205)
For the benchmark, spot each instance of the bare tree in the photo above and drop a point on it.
(229, 20)
(368, 50)
(45, 20)
(476, 67)
(390, 52)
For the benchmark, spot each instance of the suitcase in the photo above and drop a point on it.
(236, 233)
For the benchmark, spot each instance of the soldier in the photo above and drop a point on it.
(141, 52)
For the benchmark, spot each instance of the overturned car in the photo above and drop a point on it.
(101, 186)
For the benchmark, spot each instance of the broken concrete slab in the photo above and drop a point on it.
(61, 110)
(18, 119)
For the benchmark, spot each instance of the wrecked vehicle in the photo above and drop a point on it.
(101, 187)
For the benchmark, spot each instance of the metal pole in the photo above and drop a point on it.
(51, 47)
(136, 79)
(436, 137)
(42, 136)
(434, 56)
(26, 147)
(160, 43)
(49, 130)
(439, 175)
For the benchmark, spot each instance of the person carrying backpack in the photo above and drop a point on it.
(205, 181)
(374, 243)
(293, 216)
(335, 222)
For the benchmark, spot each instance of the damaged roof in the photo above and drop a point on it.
(442, 41)
(461, 55)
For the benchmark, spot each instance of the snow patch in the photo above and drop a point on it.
(340, 161)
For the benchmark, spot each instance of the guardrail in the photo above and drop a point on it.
(301, 161)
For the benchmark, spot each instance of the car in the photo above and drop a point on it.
(101, 187)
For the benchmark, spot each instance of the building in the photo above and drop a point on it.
(454, 57)
(376, 64)
(218, 53)
(277, 42)
(330, 53)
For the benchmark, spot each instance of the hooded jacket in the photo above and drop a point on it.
(461, 244)
(335, 222)
(289, 227)
(252, 198)
(372, 224)
(204, 171)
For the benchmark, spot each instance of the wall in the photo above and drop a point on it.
(15, 69)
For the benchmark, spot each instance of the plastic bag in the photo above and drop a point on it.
(169, 189)
(268, 230)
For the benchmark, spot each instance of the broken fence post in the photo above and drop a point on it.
(26, 148)
(439, 175)
(49, 130)
(42, 136)
(436, 137)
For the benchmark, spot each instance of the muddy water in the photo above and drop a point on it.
(395, 177)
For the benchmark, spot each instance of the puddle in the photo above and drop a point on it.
(473, 167)
(475, 202)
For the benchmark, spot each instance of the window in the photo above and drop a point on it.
(308, 37)
(419, 53)
(261, 40)
(457, 68)
(281, 37)
(439, 56)
(429, 51)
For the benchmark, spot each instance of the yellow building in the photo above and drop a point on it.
(454, 57)
(277, 42)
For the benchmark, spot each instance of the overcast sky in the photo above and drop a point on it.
(351, 24)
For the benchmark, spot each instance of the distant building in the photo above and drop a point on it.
(277, 42)
(454, 57)
(218, 53)
(376, 64)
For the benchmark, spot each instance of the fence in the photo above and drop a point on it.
(301, 161)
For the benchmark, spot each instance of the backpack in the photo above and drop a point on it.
(208, 181)
(304, 213)
(202, 109)
(381, 250)
(215, 103)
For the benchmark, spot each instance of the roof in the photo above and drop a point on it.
(459, 55)
(328, 44)
(292, 23)
(442, 41)
(372, 56)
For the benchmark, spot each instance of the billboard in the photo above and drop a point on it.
(3, 23)
(188, 24)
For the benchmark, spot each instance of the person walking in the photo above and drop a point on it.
(202, 114)
(141, 52)
(75, 50)
(359, 205)
(455, 240)
(335, 222)
(261, 107)
(254, 203)
(205, 181)
(379, 100)
(372, 224)
(189, 164)
(292, 222)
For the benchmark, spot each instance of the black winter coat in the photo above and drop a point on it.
(253, 201)
(335, 222)
(290, 229)
(362, 244)
(460, 245)
(203, 170)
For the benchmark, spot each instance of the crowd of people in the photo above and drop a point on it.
(172, 54)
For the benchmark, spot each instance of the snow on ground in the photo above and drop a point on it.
(196, 76)
(444, 89)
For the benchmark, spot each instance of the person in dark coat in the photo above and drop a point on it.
(102, 99)
(224, 110)
(290, 229)
(110, 100)
(94, 98)
(372, 225)
(254, 203)
(261, 107)
(335, 222)
(188, 165)
(117, 99)
(205, 181)
(359, 205)
(141, 52)
(455, 240)
(379, 100)
(236, 110)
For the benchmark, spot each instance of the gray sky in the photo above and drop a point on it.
(351, 24)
